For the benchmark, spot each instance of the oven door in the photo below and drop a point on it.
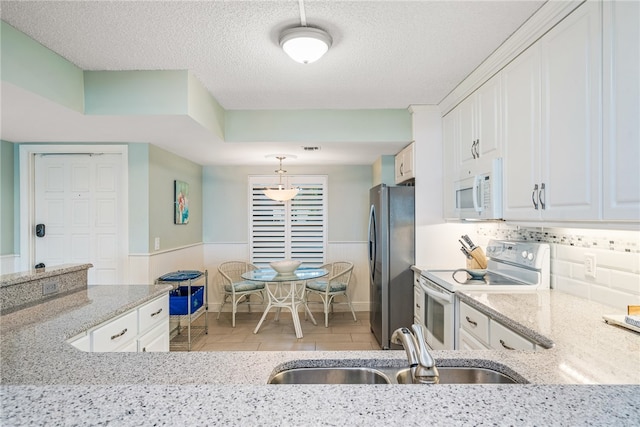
(439, 316)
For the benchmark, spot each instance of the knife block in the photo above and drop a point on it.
(472, 264)
(478, 261)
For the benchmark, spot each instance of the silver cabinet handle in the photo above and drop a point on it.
(505, 345)
(534, 194)
(542, 196)
(477, 148)
(474, 323)
(157, 312)
(401, 169)
(124, 331)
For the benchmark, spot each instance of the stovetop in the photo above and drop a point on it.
(512, 266)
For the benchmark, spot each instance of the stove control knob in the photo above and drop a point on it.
(524, 254)
(530, 256)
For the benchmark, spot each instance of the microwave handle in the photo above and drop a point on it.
(476, 193)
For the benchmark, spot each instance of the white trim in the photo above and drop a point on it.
(9, 263)
(549, 15)
(166, 251)
(27, 182)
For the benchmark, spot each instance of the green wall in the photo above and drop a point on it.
(164, 168)
(226, 200)
(7, 199)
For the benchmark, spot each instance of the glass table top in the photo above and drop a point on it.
(270, 275)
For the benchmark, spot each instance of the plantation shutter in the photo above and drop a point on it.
(295, 229)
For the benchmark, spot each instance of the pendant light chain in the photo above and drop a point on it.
(303, 17)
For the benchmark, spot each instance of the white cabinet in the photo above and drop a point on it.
(115, 334)
(621, 110)
(551, 104)
(144, 328)
(451, 170)
(479, 139)
(404, 164)
(156, 339)
(478, 331)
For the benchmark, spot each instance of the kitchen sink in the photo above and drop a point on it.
(359, 375)
(461, 376)
(339, 375)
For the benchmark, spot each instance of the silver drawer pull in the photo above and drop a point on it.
(124, 331)
(471, 321)
(506, 346)
(157, 312)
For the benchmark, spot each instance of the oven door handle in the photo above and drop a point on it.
(444, 297)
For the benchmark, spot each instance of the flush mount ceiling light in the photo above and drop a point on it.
(280, 194)
(305, 44)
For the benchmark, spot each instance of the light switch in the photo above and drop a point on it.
(157, 244)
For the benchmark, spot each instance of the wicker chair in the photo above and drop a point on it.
(236, 289)
(327, 288)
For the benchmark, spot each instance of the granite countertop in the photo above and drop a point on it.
(47, 381)
(29, 275)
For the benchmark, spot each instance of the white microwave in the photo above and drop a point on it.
(480, 196)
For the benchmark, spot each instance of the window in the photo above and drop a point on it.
(296, 229)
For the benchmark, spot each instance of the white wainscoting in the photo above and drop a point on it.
(144, 269)
(356, 252)
(9, 264)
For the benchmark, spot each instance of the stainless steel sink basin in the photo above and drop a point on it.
(358, 375)
(461, 376)
(338, 375)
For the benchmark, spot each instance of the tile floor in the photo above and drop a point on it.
(342, 334)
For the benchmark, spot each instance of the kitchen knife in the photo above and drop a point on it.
(464, 245)
(472, 245)
(466, 253)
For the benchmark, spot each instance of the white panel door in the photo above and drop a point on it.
(521, 127)
(571, 100)
(621, 110)
(76, 198)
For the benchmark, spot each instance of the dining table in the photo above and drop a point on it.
(285, 290)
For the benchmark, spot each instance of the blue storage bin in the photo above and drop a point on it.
(180, 276)
(179, 300)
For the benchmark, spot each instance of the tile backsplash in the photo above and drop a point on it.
(617, 255)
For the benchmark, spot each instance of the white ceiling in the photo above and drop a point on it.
(385, 54)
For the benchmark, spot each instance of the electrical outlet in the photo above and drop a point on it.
(156, 245)
(49, 288)
(590, 265)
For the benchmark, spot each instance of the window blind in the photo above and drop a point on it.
(295, 229)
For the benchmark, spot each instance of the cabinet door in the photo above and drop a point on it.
(621, 111)
(467, 136)
(571, 138)
(521, 134)
(450, 170)
(488, 120)
(468, 342)
(407, 155)
(155, 340)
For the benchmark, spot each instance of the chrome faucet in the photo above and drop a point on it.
(423, 367)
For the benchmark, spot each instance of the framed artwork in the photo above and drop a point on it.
(181, 202)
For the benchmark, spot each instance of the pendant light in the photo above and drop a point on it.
(281, 194)
(305, 44)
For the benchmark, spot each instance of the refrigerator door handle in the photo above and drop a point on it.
(372, 241)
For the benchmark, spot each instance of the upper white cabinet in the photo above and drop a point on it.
(478, 138)
(404, 164)
(551, 127)
(451, 171)
(621, 110)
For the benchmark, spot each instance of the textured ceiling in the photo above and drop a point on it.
(385, 54)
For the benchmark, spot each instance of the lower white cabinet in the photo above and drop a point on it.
(479, 331)
(155, 340)
(418, 301)
(144, 328)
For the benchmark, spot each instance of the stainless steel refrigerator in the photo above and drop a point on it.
(391, 255)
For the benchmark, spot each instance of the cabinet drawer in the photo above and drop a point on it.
(156, 339)
(476, 323)
(153, 313)
(116, 333)
(503, 338)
